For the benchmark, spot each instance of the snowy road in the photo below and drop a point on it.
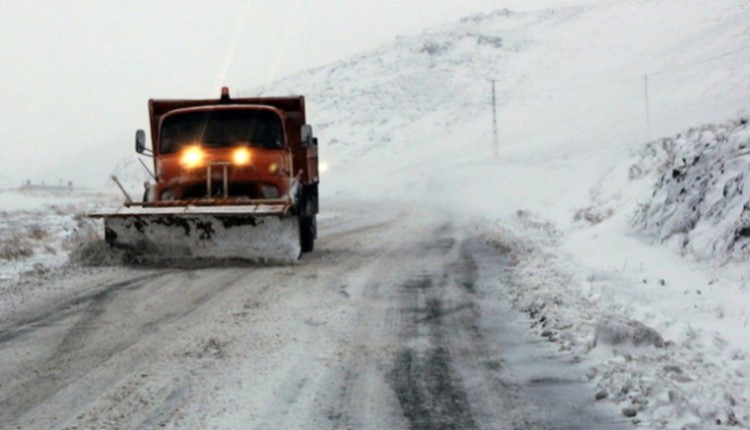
(395, 322)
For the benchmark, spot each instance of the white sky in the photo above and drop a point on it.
(75, 76)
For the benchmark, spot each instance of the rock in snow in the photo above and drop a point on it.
(700, 203)
(620, 331)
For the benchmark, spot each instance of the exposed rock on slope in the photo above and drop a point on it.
(700, 202)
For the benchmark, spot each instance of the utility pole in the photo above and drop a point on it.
(648, 108)
(494, 124)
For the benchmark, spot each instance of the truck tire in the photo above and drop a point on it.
(307, 232)
(308, 202)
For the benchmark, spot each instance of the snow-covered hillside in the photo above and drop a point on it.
(402, 120)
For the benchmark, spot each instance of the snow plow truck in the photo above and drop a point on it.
(233, 178)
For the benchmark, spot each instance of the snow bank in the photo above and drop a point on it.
(665, 368)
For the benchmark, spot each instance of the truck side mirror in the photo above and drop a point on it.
(306, 136)
(140, 141)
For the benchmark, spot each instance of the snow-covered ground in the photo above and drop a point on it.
(39, 228)
(628, 250)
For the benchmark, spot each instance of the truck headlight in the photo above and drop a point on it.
(191, 157)
(269, 192)
(241, 156)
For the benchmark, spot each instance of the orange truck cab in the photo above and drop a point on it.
(234, 151)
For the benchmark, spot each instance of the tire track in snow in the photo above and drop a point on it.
(64, 309)
(362, 396)
(445, 375)
(330, 396)
(97, 328)
(380, 388)
(41, 379)
(430, 393)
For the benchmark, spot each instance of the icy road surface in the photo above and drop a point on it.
(395, 322)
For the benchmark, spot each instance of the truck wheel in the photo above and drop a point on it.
(307, 232)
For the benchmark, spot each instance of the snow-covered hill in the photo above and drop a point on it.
(569, 83)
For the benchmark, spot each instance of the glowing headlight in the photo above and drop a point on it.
(241, 156)
(269, 192)
(192, 156)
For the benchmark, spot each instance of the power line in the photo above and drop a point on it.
(696, 62)
(648, 107)
(494, 124)
(617, 81)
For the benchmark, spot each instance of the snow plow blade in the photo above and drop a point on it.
(259, 233)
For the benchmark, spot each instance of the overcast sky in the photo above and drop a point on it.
(75, 76)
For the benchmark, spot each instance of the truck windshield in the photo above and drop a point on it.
(221, 128)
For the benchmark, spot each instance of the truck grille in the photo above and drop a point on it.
(198, 191)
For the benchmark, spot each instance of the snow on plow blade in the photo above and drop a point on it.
(262, 233)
